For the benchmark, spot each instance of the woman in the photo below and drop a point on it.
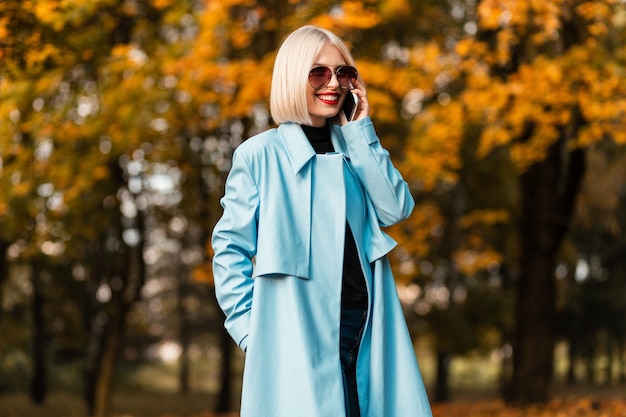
(300, 262)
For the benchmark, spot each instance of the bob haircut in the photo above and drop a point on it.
(290, 78)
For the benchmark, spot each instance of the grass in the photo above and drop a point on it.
(125, 404)
(150, 391)
(579, 401)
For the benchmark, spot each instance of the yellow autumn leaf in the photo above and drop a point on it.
(162, 4)
(100, 172)
(21, 189)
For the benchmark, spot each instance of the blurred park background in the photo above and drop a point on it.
(118, 119)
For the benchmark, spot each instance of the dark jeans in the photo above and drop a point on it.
(352, 322)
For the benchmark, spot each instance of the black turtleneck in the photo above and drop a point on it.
(354, 291)
(319, 137)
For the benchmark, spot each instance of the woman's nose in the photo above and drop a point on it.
(334, 81)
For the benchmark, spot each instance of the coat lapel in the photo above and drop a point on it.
(339, 142)
(298, 147)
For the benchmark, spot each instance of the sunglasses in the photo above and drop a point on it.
(319, 77)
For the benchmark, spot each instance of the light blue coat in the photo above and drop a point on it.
(282, 301)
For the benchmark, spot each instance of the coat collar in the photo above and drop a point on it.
(339, 143)
(298, 147)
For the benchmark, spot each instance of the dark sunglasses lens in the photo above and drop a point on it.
(319, 77)
(345, 74)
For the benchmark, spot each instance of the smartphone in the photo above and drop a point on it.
(350, 105)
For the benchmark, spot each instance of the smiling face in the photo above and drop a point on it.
(325, 102)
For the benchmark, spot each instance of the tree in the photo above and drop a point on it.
(74, 147)
(595, 286)
(4, 269)
(461, 272)
(541, 80)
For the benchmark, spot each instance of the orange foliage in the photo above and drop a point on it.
(350, 14)
(393, 8)
(538, 16)
(488, 217)
(524, 89)
(162, 4)
(414, 237)
(202, 273)
(548, 91)
(479, 257)
(464, 86)
(432, 154)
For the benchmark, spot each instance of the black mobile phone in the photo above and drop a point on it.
(349, 105)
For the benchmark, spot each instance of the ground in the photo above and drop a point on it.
(595, 401)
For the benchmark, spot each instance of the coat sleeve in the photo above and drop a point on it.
(234, 242)
(383, 183)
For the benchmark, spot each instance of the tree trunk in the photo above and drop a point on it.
(590, 359)
(4, 276)
(572, 354)
(608, 366)
(109, 327)
(38, 385)
(183, 373)
(548, 193)
(184, 336)
(534, 340)
(224, 396)
(442, 382)
(622, 359)
(111, 348)
(4, 271)
(94, 354)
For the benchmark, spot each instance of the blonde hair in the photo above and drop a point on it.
(291, 72)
